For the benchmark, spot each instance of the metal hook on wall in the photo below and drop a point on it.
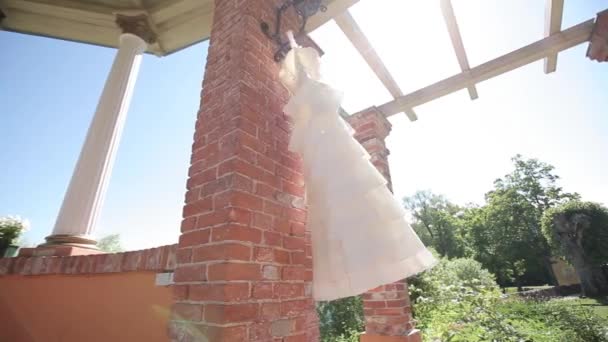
(304, 9)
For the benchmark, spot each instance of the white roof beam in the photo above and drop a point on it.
(530, 53)
(353, 32)
(452, 25)
(554, 10)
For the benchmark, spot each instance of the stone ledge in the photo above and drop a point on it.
(57, 250)
(159, 259)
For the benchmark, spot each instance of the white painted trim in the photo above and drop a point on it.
(554, 10)
(452, 25)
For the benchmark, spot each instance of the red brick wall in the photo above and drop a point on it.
(598, 42)
(244, 257)
(371, 130)
(160, 259)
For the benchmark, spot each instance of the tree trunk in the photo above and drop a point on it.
(592, 277)
(593, 281)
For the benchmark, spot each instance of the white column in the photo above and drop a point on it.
(84, 198)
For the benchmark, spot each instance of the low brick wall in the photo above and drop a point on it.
(160, 259)
(93, 298)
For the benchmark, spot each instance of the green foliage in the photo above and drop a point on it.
(505, 233)
(341, 319)
(436, 221)
(450, 281)
(110, 243)
(536, 182)
(518, 320)
(513, 246)
(599, 305)
(459, 301)
(11, 227)
(350, 336)
(594, 239)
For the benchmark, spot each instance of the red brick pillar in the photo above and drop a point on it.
(387, 308)
(244, 264)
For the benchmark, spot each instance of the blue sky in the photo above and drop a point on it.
(458, 147)
(49, 92)
(50, 88)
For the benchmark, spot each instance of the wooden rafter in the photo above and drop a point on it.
(353, 32)
(334, 8)
(540, 49)
(554, 10)
(452, 25)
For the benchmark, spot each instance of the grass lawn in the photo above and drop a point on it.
(599, 305)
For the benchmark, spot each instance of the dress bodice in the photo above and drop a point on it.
(313, 105)
(299, 64)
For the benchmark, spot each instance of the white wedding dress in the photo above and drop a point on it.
(360, 238)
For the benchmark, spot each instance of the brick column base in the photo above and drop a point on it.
(387, 311)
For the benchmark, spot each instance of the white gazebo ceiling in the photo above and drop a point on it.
(177, 23)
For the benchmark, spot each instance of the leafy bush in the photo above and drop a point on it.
(110, 244)
(341, 320)
(459, 301)
(556, 320)
(451, 280)
(11, 227)
(442, 294)
(516, 320)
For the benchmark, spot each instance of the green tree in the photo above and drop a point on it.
(500, 236)
(436, 221)
(578, 231)
(537, 182)
(11, 228)
(505, 234)
(110, 243)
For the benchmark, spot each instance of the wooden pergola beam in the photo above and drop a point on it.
(353, 32)
(554, 11)
(551, 45)
(452, 25)
(334, 8)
